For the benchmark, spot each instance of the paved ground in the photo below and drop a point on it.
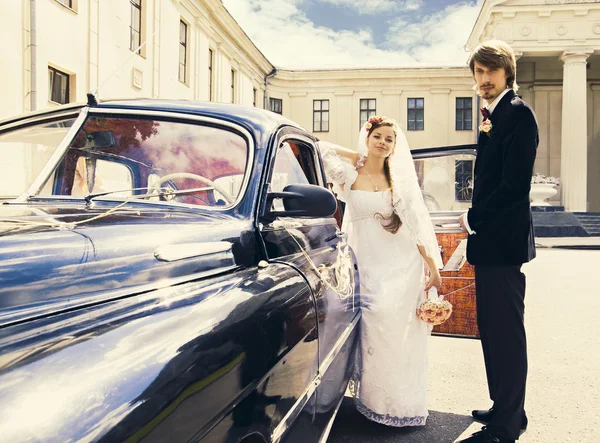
(563, 400)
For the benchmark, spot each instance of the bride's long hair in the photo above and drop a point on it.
(393, 222)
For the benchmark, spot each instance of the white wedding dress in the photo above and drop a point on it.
(389, 383)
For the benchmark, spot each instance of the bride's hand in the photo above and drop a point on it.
(435, 279)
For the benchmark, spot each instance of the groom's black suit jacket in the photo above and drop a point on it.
(500, 214)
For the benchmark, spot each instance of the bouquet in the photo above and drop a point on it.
(434, 310)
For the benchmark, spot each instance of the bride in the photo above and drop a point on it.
(389, 228)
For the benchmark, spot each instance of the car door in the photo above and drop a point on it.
(316, 247)
(446, 179)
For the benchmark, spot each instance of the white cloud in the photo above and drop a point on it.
(440, 38)
(286, 36)
(377, 6)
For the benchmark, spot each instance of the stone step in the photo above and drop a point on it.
(557, 224)
(590, 221)
(587, 214)
(566, 224)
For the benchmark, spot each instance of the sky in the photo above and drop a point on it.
(325, 34)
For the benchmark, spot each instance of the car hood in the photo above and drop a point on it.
(65, 255)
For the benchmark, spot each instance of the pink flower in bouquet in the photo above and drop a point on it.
(434, 311)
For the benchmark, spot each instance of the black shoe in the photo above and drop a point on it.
(485, 436)
(485, 416)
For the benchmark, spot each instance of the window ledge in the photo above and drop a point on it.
(53, 103)
(139, 54)
(74, 11)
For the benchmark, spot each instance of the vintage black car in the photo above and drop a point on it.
(173, 271)
(170, 271)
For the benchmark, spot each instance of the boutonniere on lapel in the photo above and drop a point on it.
(486, 124)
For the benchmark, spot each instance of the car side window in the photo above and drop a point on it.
(294, 164)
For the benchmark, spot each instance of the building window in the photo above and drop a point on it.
(320, 115)
(67, 3)
(416, 113)
(464, 113)
(367, 109)
(254, 95)
(233, 86)
(463, 183)
(136, 25)
(58, 86)
(275, 105)
(183, 30)
(210, 74)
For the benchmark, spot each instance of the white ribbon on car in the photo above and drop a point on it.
(339, 277)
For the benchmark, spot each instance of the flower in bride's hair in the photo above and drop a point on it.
(376, 119)
(367, 126)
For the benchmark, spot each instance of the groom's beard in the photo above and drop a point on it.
(488, 92)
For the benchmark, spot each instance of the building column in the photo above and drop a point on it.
(574, 131)
(93, 46)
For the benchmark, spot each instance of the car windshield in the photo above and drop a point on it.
(116, 158)
(25, 152)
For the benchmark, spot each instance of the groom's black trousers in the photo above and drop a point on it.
(500, 314)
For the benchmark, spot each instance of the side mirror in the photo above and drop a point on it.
(303, 201)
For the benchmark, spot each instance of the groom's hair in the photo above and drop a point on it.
(496, 54)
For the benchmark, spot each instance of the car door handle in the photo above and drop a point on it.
(338, 234)
(341, 235)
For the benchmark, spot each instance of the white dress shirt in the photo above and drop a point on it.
(490, 107)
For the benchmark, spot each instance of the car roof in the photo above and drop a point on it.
(258, 119)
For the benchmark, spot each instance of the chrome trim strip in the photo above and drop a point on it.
(39, 116)
(447, 222)
(171, 253)
(285, 422)
(417, 155)
(48, 168)
(327, 430)
(338, 346)
(296, 223)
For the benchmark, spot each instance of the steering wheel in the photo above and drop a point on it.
(430, 201)
(210, 183)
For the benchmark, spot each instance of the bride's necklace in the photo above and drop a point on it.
(372, 181)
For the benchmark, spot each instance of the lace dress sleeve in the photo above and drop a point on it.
(341, 173)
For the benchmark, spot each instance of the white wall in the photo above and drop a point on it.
(12, 59)
(91, 44)
(391, 89)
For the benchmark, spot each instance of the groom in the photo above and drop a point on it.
(501, 237)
